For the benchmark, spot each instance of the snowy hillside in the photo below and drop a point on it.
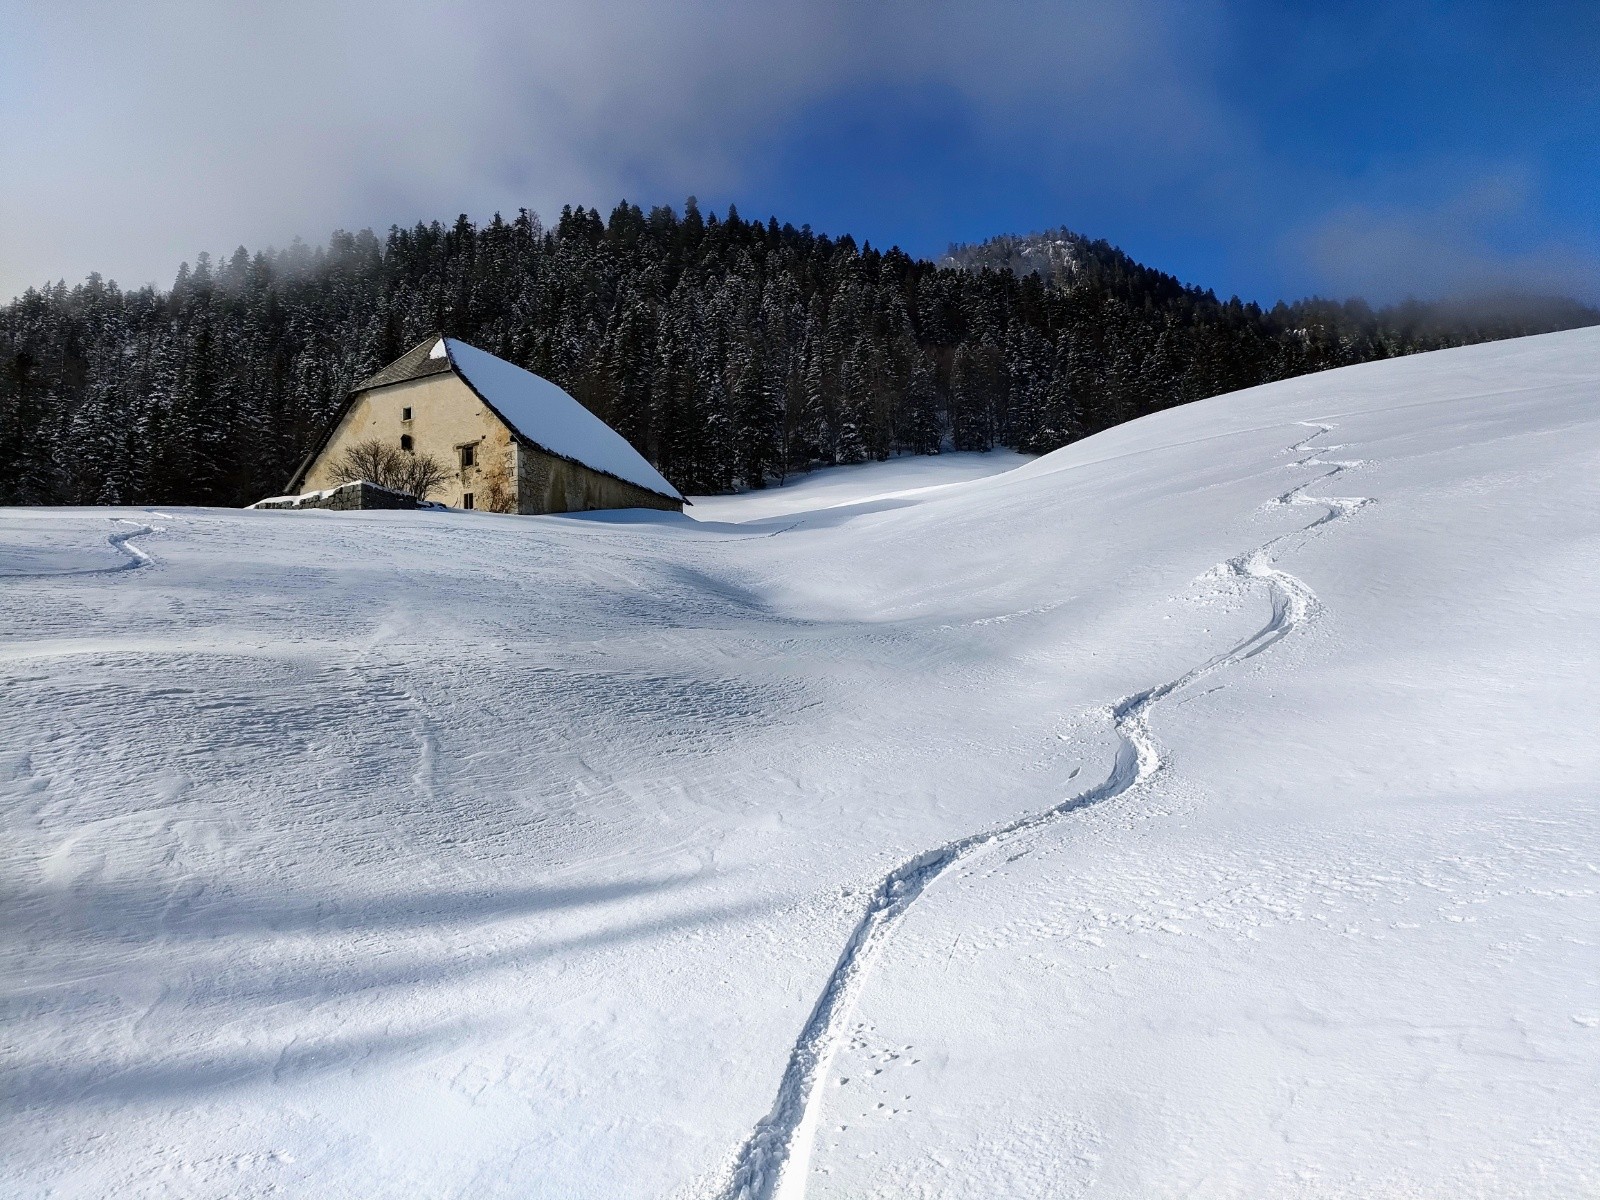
(1207, 809)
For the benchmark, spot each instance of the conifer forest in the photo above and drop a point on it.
(730, 352)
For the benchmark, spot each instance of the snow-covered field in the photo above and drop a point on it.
(881, 484)
(1208, 809)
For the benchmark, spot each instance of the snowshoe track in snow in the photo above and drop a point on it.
(774, 1161)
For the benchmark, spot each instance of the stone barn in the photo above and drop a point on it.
(513, 442)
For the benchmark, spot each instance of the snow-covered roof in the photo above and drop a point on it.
(544, 414)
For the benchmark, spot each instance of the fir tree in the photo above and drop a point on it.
(725, 349)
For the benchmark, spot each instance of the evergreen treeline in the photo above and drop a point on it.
(728, 351)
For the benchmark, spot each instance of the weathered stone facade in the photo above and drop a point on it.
(446, 415)
(546, 484)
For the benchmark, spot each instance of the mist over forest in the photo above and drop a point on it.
(732, 353)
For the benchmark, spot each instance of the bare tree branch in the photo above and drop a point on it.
(389, 467)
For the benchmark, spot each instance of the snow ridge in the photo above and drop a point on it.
(773, 1162)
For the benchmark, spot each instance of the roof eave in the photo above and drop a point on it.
(333, 427)
(532, 444)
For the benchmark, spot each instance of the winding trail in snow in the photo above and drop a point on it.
(774, 1161)
(123, 541)
(133, 557)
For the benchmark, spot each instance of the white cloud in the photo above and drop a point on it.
(1465, 243)
(151, 131)
(137, 134)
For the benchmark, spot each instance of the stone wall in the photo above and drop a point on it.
(546, 484)
(345, 498)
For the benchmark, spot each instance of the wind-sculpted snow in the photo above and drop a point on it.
(802, 845)
(772, 1165)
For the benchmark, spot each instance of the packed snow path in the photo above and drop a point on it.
(773, 1164)
(391, 854)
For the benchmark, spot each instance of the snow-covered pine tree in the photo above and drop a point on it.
(922, 428)
(218, 386)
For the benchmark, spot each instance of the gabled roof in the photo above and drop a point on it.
(537, 412)
(416, 363)
(545, 416)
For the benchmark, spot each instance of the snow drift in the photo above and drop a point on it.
(1205, 809)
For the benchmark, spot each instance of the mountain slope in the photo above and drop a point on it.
(1069, 260)
(1207, 808)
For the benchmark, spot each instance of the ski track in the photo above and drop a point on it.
(773, 1163)
(122, 542)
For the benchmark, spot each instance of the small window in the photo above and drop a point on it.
(405, 414)
(405, 441)
(466, 500)
(468, 456)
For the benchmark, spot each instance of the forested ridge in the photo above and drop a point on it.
(730, 352)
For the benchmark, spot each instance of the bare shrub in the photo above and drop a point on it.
(390, 467)
(373, 460)
(423, 474)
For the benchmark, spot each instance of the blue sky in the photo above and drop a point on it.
(1273, 150)
(1453, 141)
